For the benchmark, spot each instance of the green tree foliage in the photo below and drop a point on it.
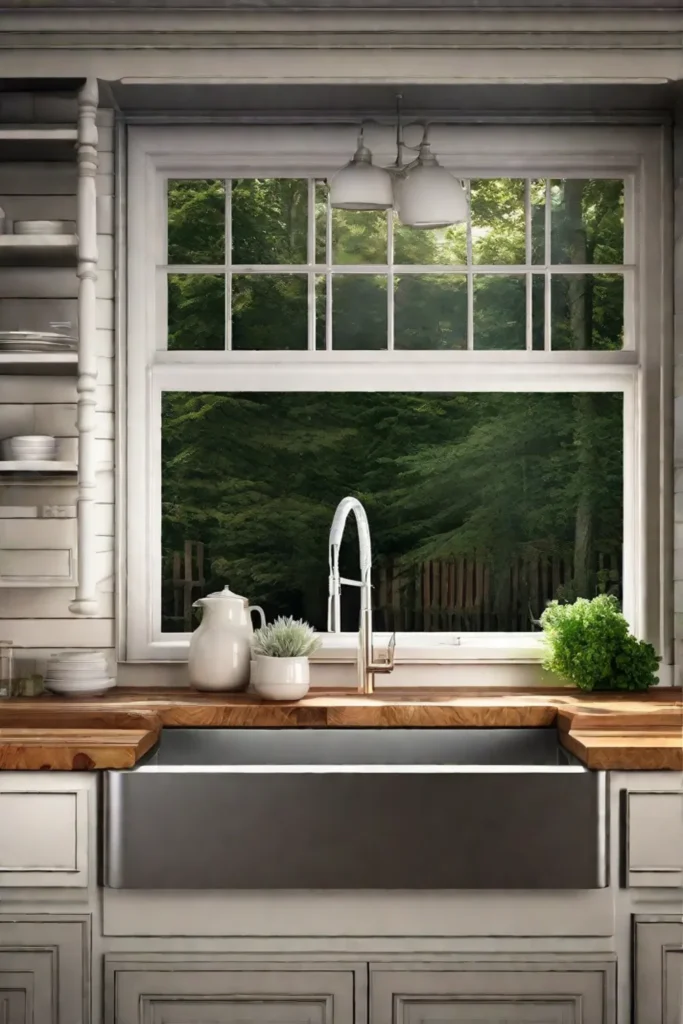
(496, 477)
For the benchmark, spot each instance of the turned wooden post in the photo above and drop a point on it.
(85, 602)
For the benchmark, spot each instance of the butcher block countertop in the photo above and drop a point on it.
(608, 731)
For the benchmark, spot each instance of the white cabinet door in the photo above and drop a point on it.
(44, 833)
(44, 970)
(658, 958)
(517, 992)
(213, 990)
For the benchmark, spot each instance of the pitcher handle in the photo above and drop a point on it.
(257, 608)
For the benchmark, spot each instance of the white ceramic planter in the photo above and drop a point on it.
(280, 678)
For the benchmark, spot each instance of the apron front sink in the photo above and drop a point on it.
(356, 809)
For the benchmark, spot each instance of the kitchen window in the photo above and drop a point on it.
(490, 390)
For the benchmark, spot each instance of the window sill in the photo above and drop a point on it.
(411, 649)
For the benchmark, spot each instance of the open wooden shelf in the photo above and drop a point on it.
(38, 132)
(46, 364)
(44, 467)
(38, 142)
(38, 250)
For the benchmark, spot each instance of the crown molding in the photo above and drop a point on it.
(651, 7)
(360, 41)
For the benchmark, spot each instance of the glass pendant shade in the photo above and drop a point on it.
(361, 186)
(429, 196)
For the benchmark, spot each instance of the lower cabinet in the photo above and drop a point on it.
(44, 970)
(176, 989)
(501, 992)
(658, 973)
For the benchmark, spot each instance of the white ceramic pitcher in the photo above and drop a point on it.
(220, 647)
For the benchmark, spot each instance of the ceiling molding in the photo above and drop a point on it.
(293, 6)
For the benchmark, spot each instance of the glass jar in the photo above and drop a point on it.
(6, 668)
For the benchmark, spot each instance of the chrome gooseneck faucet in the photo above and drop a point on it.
(367, 666)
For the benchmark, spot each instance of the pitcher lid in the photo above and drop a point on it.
(226, 594)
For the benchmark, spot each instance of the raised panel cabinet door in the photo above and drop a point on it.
(16, 997)
(213, 991)
(44, 834)
(44, 970)
(493, 993)
(658, 976)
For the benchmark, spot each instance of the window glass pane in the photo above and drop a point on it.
(537, 190)
(359, 236)
(498, 224)
(482, 506)
(321, 194)
(269, 220)
(196, 221)
(196, 311)
(430, 311)
(538, 312)
(269, 311)
(587, 221)
(442, 246)
(320, 312)
(359, 311)
(500, 311)
(587, 311)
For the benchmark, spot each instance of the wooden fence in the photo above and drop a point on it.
(461, 595)
(438, 596)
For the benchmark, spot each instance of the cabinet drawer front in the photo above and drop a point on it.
(211, 990)
(516, 992)
(654, 839)
(30, 566)
(44, 835)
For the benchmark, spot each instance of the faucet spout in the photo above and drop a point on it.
(366, 664)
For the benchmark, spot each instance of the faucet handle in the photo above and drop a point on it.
(391, 650)
(386, 664)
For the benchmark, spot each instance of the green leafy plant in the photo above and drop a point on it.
(286, 637)
(589, 644)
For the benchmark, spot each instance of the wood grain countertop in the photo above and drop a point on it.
(608, 731)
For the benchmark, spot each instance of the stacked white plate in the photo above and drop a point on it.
(78, 674)
(44, 227)
(29, 448)
(36, 341)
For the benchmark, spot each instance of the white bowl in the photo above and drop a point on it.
(77, 677)
(44, 227)
(91, 689)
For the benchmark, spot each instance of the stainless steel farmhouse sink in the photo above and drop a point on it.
(356, 809)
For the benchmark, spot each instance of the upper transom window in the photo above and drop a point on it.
(266, 264)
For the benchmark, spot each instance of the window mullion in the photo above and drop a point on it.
(470, 277)
(529, 274)
(328, 275)
(390, 280)
(228, 264)
(547, 326)
(310, 257)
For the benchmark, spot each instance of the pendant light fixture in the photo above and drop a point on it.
(360, 185)
(423, 193)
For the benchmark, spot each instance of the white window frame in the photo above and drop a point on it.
(640, 371)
